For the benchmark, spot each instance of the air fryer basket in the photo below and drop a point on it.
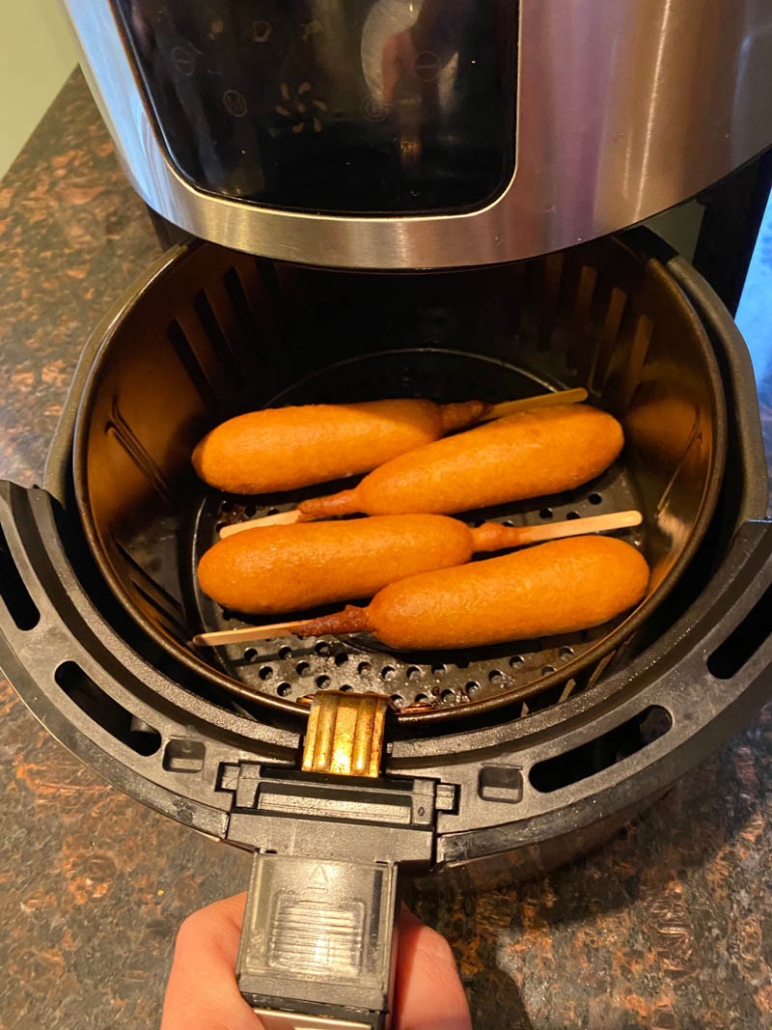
(217, 333)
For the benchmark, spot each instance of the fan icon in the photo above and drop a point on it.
(302, 108)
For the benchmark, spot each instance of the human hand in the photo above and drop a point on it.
(202, 993)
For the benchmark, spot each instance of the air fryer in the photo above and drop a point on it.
(416, 199)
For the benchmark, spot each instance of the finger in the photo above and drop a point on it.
(428, 995)
(202, 993)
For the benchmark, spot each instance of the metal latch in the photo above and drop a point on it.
(345, 734)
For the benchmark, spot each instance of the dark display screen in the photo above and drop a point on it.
(356, 106)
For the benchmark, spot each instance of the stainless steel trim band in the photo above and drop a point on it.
(624, 109)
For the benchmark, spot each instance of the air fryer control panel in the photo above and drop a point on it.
(358, 106)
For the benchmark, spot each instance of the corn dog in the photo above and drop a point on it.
(287, 448)
(537, 452)
(291, 568)
(558, 587)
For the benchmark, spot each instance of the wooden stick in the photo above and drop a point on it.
(243, 636)
(503, 537)
(526, 535)
(284, 518)
(542, 400)
(523, 534)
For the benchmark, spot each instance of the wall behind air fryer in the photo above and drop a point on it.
(37, 53)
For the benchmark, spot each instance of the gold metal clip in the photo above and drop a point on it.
(345, 734)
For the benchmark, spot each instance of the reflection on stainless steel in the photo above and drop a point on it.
(679, 455)
(389, 22)
(752, 66)
(624, 109)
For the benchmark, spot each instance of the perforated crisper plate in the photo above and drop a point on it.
(295, 668)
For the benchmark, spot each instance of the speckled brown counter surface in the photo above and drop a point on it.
(669, 927)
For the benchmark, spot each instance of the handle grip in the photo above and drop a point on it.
(317, 943)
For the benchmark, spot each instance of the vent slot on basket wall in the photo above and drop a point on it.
(14, 593)
(105, 710)
(220, 342)
(603, 752)
(195, 372)
(241, 308)
(744, 640)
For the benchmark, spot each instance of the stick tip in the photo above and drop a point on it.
(282, 518)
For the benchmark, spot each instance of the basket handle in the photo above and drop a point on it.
(317, 943)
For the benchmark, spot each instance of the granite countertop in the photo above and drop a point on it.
(668, 927)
